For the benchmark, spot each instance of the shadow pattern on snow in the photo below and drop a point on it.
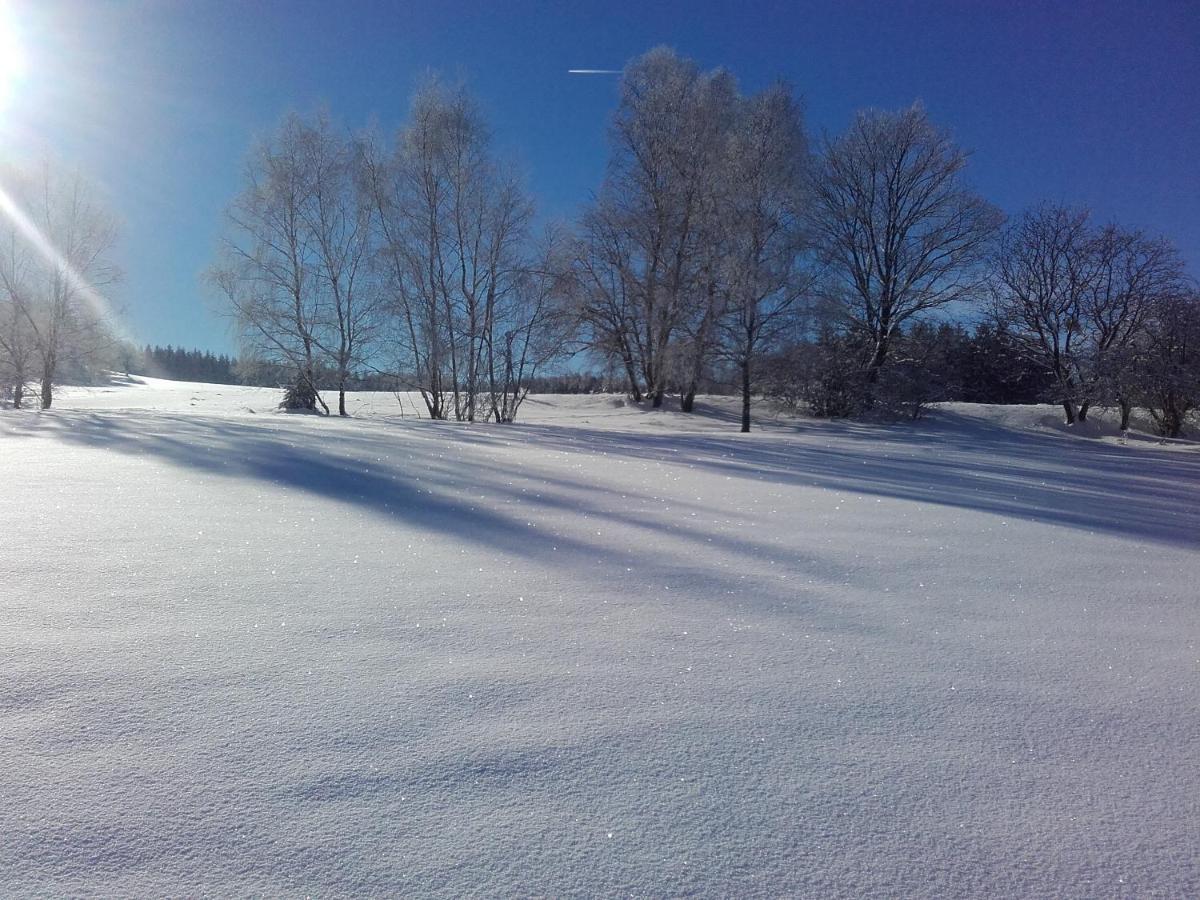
(950, 460)
(279, 456)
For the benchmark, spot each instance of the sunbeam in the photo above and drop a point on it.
(44, 247)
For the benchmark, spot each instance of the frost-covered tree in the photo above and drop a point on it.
(1167, 373)
(898, 228)
(295, 265)
(762, 239)
(647, 249)
(1076, 299)
(268, 266)
(18, 347)
(1041, 276)
(1131, 275)
(338, 215)
(56, 240)
(530, 328)
(465, 282)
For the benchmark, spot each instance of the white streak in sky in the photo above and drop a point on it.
(62, 266)
(593, 71)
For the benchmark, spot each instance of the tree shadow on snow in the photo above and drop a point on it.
(951, 460)
(282, 457)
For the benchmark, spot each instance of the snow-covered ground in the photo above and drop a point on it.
(605, 652)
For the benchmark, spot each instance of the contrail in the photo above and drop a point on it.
(593, 71)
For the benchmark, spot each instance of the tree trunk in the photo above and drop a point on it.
(1069, 409)
(635, 389)
(1083, 410)
(1173, 417)
(877, 360)
(18, 394)
(342, 402)
(311, 378)
(687, 402)
(657, 398)
(47, 389)
(1126, 410)
(746, 396)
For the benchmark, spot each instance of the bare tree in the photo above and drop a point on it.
(454, 231)
(898, 228)
(646, 242)
(530, 329)
(408, 194)
(1043, 270)
(1076, 299)
(1129, 274)
(608, 304)
(18, 348)
(337, 214)
(270, 260)
(760, 209)
(1168, 372)
(57, 239)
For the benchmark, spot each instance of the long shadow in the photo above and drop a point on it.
(955, 461)
(234, 450)
(952, 461)
(254, 451)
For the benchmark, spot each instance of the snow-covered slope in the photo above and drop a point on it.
(606, 652)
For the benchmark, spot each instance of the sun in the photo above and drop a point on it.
(12, 61)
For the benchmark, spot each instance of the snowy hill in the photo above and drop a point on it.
(607, 651)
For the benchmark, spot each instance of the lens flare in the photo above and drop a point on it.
(12, 214)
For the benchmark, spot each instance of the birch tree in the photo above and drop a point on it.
(454, 236)
(267, 271)
(17, 341)
(337, 214)
(763, 277)
(646, 238)
(56, 240)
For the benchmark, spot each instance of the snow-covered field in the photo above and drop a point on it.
(606, 652)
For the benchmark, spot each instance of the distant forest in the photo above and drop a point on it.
(944, 362)
(179, 364)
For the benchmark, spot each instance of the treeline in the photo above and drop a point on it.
(723, 244)
(928, 364)
(724, 249)
(182, 365)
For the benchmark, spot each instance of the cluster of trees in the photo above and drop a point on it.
(721, 247)
(719, 240)
(1107, 311)
(414, 257)
(691, 256)
(180, 364)
(927, 363)
(55, 244)
(724, 250)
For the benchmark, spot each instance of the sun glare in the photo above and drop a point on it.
(12, 61)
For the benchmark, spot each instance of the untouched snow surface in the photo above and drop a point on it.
(607, 652)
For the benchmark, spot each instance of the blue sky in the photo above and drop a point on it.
(1089, 103)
